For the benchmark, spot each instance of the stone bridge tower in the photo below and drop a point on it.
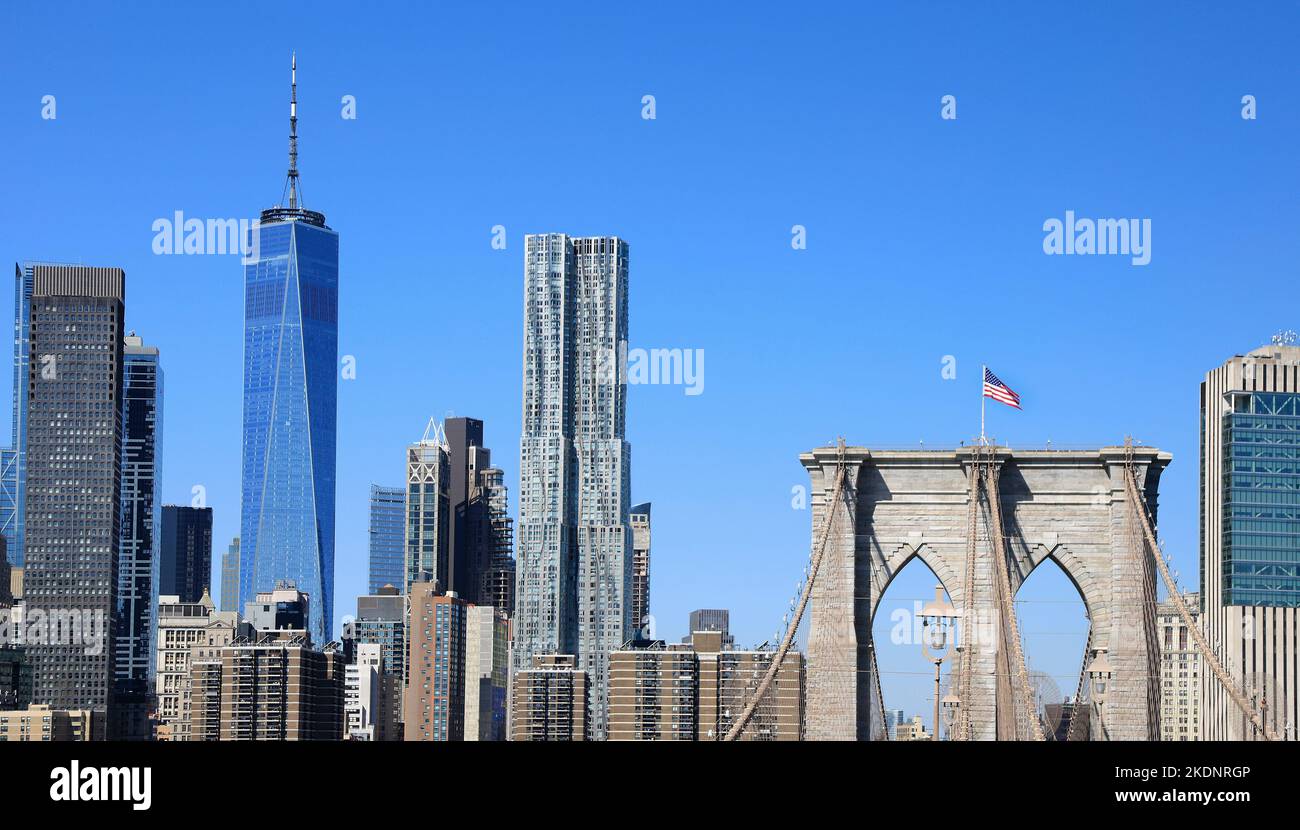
(1069, 506)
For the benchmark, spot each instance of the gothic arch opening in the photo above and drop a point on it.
(907, 675)
(1055, 625)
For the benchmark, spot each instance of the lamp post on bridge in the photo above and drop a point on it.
(1100, 672)
(939, 620)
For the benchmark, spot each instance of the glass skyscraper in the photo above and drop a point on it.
(290, 395)
(138, 548)
(1250, 537)
(387, 535)
(14, 466)
(574, 568)
(1261, 499)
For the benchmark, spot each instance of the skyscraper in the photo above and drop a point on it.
(73, 391)
(480, 552)
(640, 521)
(387, 537)
(1180, 673)
(185, 568)
(468, 530)
(290, 400)
(487, 669)
(574, 581)
(499, 582)
(381, 621)
(1250, 537)
(138, 560)
(230, 577)
(14, 466)
(428, 518)
(435, 688)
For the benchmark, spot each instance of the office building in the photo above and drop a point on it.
(381, 621)
(138, 547)
(387, 537)
(1250, 538)
(549, 701)
(428, 520)
(42, 723)
(274, 688)
(435, 686)
(487, 668)
(639, 519)
(290, 401)
(711, 619)
(912, 731)
(15, 674)
(574, 580)
(230, 577)
(73, 509)
(680, 692)
(187, 631)
(283, 608)
(362, 694)
(186, 561)
(1180, 673)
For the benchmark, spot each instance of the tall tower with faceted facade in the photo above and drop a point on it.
(290, 401)
(574, 567)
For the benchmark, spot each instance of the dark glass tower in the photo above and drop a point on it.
(186, 559)
(290, 392)
(13, 463)
(387, 532)
(137, 564)
(74, 481)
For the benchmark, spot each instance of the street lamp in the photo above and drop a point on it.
(1100, 672)
(951, 705)
(939, 620)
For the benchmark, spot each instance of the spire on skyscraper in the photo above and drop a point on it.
(293, 211)
(291, 184)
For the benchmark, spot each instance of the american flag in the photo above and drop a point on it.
(997, 390)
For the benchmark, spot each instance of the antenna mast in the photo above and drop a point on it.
(293, 130)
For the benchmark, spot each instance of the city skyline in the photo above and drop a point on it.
(837, 366)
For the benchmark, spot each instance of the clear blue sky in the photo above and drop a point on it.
(924, 235)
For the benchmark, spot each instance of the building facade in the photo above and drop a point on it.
(73, 510)
(435, 687)
(187, 631)
(42, 723)
(381, 621)
(276, 688)
(428, 511)
(13, 470)
(639, 519)
(499, 583)
(549, 701)
(711, 619)
(487, 669)
(186, 564)
(1180, 673)
(1250, 538)
(290, 402)
(138, 547)
(387, 533)
(574, 568)
(681, 692)
(230, 577)
(363, 696)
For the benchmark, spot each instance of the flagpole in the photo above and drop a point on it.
(983, 370)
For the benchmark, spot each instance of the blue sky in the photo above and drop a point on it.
(924, 236)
